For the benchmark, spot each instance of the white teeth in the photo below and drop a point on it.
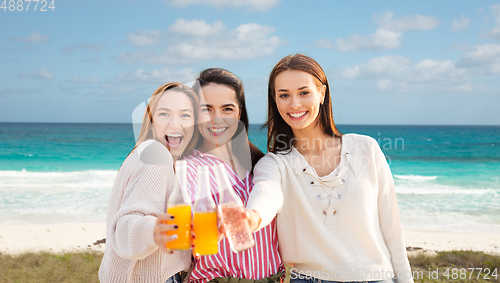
(174, 135)
(217, 130)
(297, 115)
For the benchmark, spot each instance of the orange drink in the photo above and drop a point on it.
(205, 227)
(182, 218)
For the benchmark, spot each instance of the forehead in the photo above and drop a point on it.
(174, 100)
(293, 79)
(217, 94)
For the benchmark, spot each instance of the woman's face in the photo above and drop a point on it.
(298, 99)
(218, 114)
(173, 121)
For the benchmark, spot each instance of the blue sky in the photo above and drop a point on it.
(388, 62)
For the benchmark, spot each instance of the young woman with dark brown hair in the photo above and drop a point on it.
(223, 126)
(332, 194)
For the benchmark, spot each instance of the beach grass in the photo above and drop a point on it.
(50, 267)
(84, 266)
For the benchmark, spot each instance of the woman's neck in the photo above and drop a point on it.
(220, 152)
(312, 140)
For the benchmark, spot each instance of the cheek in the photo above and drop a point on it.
(281, 105)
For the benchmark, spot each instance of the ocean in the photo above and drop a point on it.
(446, 177)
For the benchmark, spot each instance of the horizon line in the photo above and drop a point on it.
(257, 124)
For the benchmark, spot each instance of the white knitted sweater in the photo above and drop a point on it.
(139, 193)
(341, 227)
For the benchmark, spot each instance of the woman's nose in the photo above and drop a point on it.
(295, 102)
(175, 123)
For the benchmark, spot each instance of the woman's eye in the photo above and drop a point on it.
(228, 109)
(205, 110)
(186, 116)
(163, 114)
(283, 95)
(304, 93)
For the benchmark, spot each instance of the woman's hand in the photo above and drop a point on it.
(160, 232)
(253, 218)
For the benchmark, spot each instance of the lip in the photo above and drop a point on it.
(173, 146)
(297, 118)
(219, 132)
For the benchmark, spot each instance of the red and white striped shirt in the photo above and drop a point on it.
(261, 261)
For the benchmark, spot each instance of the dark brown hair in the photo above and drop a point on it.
(224, 77)
(146, 132)
(276, 126)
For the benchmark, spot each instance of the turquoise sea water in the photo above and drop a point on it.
(446, 177)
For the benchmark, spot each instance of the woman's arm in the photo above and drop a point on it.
(266, 198)
(390, 223)
(134, 223)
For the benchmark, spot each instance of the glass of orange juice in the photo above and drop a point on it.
(205, 217)
(179, 205)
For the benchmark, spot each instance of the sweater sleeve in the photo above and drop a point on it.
(144, 198)
(390, 223)
(267, 196)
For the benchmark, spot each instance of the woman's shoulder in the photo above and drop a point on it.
(357, 142)
(152, 152)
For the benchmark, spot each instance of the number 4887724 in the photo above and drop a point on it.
(24, 5)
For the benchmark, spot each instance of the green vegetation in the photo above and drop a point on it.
(83, 267)
(455, 266)
(49, 267)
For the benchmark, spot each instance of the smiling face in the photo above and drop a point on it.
(173, 121)
(298, 98)
(218, 115)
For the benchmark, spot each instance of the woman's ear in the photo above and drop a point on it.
(323, 91)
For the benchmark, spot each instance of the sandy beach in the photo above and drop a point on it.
(17, 238)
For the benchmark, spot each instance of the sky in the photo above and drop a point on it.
(388, 62)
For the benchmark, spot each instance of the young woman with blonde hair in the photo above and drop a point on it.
(141, 188)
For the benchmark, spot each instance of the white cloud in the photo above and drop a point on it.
(405, 23)
(197, 28)
(68, 49)
(382, 39)
(78, 80)
(387, 36)
(191, 41)
(495, 32)
(378, 68)
(160, 76)
(42, 74)
(96, 47)
(398, 73)
(35, 37)
(257, 5)
(431, 70)
(481, 55)
(11, 91)
(144, 37)
(324, 43)
(460, 24)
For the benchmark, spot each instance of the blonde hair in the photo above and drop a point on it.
(147, 121)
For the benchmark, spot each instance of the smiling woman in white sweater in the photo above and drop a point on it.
(141, 188)
(333, 194)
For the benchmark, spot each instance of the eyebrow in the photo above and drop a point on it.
(166, 109)
(225, 105)
(300, 88)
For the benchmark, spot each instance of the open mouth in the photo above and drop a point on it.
(174, 139)
(217, 131)
(297, 115)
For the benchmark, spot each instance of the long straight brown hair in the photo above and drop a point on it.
(146, 132)
(224, 77)
(279, 133)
